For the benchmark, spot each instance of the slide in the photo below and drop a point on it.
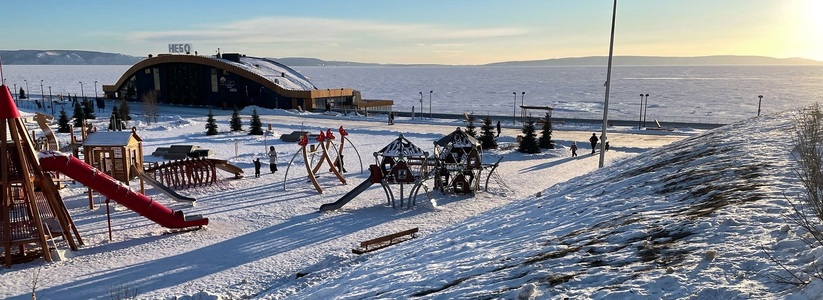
(117, 191)
(226, 166)
(347, 197)
(162, 188)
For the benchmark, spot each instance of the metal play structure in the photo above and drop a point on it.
(325, 148)
(459, 164)
(402, 163)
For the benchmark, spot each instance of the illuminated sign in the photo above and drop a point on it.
(180, 48)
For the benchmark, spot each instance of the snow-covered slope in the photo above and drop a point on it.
(696, 219)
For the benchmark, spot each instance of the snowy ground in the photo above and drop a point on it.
(640, 228)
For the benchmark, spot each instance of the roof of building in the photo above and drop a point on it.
(109, 138)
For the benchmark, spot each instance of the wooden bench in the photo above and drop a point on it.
(385, 241)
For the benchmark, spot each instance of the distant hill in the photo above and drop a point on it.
(81, 57)
(662, 61)
(65, 57)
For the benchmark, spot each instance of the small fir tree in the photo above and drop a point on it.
(78, 114)
(115, 120)
(528, 143)
(125, 113)
(470, 128)
(22, 94)
(545, 141)
(236, 123)
(487, 140)
(256, 126)
(63, 122)
(211, 124)
(88, 109)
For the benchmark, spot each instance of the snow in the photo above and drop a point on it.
(674, 215)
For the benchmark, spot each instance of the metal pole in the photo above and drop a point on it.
(42, 94)
(645, 110)
(51, 101)
(15, 95)
(81, 90)
(640, 117)
(514, 109)
(758, 104)
(421, 105)
(608, 87)
(522, 110)
(430, 105)
(27, 88)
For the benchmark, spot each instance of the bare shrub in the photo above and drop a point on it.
(151, 107)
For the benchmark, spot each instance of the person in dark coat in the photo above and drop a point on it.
(574, 149)
(498, 129)
(272, 159)
(257, 167)
(593, 140)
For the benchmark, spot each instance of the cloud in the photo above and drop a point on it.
(317, 31)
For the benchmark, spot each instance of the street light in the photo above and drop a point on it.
(95, 90)
(608, 88)
(27, 88)
(514, 109)
(758, 104)
(15, 95)
(51, 101)
(645, 110)
(42, 94)
(421, 105)
(81, 91)
(430, 105)
(522, 110)
(640, 117)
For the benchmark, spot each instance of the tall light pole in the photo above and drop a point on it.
(758, 104)
(42, 94)
(514, 109)
(95, 90)
(430, 105)
(640, 117)
(608, 87)
(645, 110)
(15, 95)
(522, 110)
(421, 105)
(27, 88)
(81, 90)
(51, 102)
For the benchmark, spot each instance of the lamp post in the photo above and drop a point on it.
(81, 90)
(15, 95)
(27, 88)
(608, 88)
(514, 109)
(95, 90)
(645, 110)
(341, 103)
(758, 104)
(51, 102)
(421, 105)
(522, 110)
(640, 117)
(430, 105)
(42, 94)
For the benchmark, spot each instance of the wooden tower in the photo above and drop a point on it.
(32, 211)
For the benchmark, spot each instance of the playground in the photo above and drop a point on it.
(261, 232)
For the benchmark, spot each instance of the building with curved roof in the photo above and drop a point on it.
(229, 80)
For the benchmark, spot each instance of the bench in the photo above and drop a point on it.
(385, 241)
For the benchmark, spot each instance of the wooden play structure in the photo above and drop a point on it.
(191, 172)
(402, 163)
(459, 164)
(51, 141)
(32, 211)
(325, 148)
(114, 153)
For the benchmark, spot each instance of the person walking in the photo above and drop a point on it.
(272, 159)
(498, 129)
(257, 167)
(574, 149)
(593, 140)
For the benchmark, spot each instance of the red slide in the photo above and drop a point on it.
(117, 191)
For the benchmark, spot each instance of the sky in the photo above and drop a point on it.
(428, 31)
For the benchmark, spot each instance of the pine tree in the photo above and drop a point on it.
(256, 126)
(545, 140)
(115, 119)
(88, 109)
(487, 140)
(470, 128)
(236, 123)
(63, 122)
(125, 113)
(78, 114)
(528, 144)
(211, 124)
(22, 94)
